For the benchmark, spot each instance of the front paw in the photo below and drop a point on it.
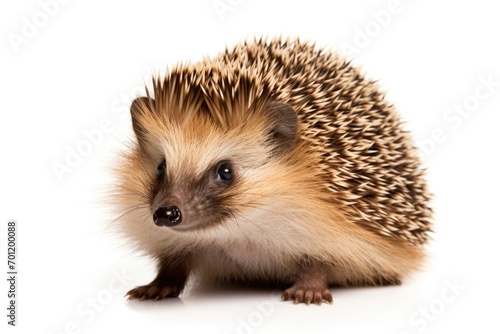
(153, 291)
(307, 294)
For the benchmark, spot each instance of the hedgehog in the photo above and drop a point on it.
(275, 161)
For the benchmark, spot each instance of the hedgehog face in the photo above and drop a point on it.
(198, 174)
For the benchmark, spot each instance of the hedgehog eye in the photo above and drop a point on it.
(224, 171)
(160, 170)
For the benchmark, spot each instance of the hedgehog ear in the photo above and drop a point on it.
(285, 126)
(140, 106)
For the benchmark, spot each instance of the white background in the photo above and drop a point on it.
(81, 66)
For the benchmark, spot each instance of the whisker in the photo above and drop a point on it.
(133, 190)
(128, 211)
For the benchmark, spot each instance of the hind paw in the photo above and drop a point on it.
(308, 295)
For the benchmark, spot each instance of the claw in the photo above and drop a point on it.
(308, 296)
(285, 296)
(329, 299)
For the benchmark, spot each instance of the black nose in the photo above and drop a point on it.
(167, 216)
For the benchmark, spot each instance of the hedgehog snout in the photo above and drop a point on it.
(167, 216)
